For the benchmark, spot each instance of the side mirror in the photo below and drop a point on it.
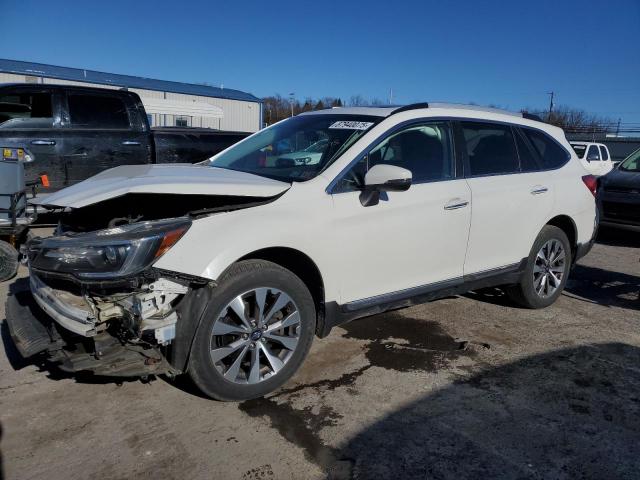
(384, 178)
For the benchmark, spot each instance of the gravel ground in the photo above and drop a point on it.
(467, 387)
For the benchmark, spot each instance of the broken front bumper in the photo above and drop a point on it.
(41, 322)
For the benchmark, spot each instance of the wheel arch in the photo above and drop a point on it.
(568, 226)
(301, 265)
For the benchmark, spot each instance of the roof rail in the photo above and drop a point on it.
(411, 106)
(462, 106)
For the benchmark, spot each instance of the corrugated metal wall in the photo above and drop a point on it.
(239, 116)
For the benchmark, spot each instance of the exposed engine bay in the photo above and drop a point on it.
(140, 207)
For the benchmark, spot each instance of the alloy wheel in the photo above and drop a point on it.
(549, 268)
(255, 335)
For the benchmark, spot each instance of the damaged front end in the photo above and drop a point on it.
(113, 313)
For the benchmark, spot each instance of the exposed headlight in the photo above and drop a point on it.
(115, 252)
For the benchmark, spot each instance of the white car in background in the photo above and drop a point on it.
(310, 155)
(594, 156)
(226, 271)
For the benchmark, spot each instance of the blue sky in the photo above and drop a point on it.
(507, 53)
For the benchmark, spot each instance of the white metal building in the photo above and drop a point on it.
(167, 103)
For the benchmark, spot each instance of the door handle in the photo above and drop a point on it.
(131, 143)
(538, 189)
(455, 204)
(43, 142)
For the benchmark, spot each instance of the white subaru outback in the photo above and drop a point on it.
(227, 270)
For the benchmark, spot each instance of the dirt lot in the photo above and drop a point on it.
(466, 387)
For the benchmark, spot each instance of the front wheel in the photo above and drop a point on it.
(258, 331)
(546, 272)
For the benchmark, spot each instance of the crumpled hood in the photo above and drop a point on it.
(183, 179)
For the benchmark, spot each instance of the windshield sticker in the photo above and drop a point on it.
(350, 125)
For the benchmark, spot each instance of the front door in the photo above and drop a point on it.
(409, 239)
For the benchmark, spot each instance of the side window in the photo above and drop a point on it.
(580, 150)
(98, 111)
(604, 152)
(490, 148)
(550, 153)
(593, 155)
(425, 149)
(528, 162)
(26, 110)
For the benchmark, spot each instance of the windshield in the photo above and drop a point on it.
(298, 148)
(632, 163)
(580, 149)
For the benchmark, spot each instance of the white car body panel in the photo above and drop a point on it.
(171, 178)
(406, 241)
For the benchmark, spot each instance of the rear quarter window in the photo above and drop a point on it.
(551, 155)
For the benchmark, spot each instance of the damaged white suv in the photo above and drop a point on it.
(227, 270)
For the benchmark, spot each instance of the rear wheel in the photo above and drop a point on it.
(258, 331)
(546, 272)
(8, 261)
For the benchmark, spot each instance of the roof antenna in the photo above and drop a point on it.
(391, 96)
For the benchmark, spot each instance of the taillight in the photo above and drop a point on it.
(592, 183)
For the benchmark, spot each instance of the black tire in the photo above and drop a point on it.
(524, 293)
(8, 261)
(243, 277)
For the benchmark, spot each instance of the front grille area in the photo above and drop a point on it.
(628, 212)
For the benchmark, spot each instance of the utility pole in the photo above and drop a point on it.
(291, 102)
(551, 95)
(618, 127)
(391, 96)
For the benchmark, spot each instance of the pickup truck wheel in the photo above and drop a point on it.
(8, 261)
(546, 272)
(257, 332)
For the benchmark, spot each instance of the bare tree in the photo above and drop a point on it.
(358, 101)
(574, 120)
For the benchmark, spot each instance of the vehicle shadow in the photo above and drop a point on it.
(605, 287)
(592, 284)
(572, 413)
(492, 295)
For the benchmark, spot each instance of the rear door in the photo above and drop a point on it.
(30, 118)
(104, 130)
(510, 201)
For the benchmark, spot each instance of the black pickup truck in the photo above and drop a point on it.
(72, 133)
